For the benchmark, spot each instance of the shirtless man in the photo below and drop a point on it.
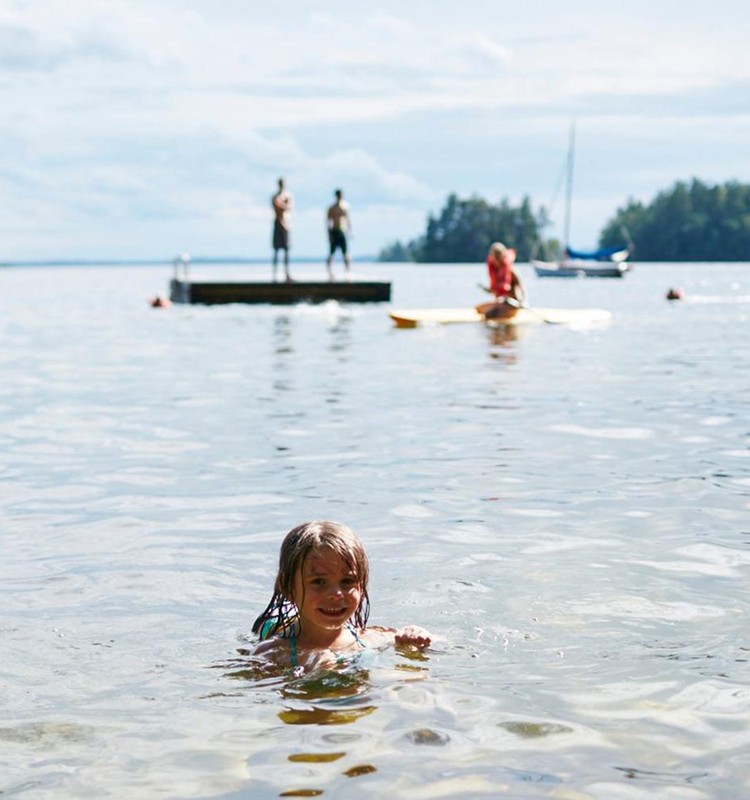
(339, 227)
(282, 203)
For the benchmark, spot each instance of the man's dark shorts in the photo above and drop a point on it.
(337, 239)
(280, 236)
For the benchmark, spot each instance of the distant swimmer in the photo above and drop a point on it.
(282, 203)
(338, 222)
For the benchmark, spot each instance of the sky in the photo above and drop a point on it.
(139, 129)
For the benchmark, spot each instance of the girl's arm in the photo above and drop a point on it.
(413, 635)
(408, 635)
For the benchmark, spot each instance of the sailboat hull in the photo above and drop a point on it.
(574, 269)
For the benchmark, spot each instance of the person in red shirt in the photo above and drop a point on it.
(504, 282)
(505, 285)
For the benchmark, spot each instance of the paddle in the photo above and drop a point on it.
(512, 301)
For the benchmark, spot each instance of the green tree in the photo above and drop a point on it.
(396, 251)
(465, 228)
(689, 222)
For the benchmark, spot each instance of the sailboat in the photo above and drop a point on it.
(606, 262)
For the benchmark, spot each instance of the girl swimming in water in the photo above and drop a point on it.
(319, 609)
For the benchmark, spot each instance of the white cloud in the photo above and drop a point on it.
(154, 112)
(488, 48)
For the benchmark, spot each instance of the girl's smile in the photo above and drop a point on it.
(327, 592)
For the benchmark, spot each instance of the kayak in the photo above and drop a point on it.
(413, 317)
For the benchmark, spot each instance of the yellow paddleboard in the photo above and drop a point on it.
(411, 318)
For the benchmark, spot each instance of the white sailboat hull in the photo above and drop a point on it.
(580, 269)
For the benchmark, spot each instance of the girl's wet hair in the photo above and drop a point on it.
(281, 617)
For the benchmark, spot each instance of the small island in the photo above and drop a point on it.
(691, 221)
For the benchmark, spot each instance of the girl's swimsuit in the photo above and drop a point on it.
(340, 657)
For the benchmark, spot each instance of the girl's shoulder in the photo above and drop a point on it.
(271, 648)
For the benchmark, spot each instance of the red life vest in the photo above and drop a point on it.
(501, 272)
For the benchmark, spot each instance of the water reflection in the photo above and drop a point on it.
(534, 730)
(361, 769)
(502, 339)
(315, 758)
(283, 351)
(341, 335)
(317, 715)
(329, 684)
(665, 776)
(426, 736)
(282, 335)
(322, 698)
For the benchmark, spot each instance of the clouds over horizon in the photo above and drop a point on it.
(141, 112)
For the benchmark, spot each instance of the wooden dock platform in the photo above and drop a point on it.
(187, 290)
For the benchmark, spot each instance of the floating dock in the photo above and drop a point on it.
(183, 288)
(186, 290)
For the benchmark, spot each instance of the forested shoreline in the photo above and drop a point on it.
(691, 221)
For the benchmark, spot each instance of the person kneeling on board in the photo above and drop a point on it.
(505, 285)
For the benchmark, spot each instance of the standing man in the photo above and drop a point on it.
(339, 227)
(282, 203)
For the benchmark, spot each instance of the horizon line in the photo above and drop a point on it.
(132, 262)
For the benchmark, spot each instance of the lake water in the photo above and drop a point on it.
(568, 508)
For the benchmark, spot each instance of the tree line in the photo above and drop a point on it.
(691, 221)
(464, 230)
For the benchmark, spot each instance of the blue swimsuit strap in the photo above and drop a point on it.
(354, 633)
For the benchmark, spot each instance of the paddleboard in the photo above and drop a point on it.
(413, 317)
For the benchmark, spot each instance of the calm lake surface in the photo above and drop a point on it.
(569, 509)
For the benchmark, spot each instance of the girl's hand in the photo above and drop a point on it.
(413, 635)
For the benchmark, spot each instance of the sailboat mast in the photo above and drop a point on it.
(569, 183)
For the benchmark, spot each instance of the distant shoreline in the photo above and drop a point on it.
(226, 260)
(144, 262)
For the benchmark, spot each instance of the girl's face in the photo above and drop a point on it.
(327, 591)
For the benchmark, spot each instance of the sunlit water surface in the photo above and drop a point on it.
(567, 508)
